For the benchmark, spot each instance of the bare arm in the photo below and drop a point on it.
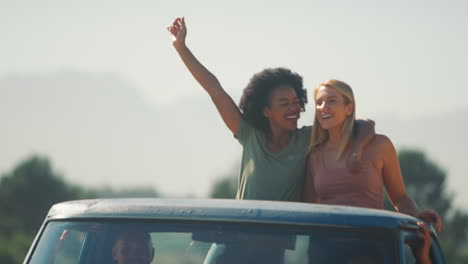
(228, 110)
(395, 187)
(393, 179)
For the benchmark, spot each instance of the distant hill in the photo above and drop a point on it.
(99, 130)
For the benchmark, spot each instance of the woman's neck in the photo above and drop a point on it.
(334, 137)
(278, 139)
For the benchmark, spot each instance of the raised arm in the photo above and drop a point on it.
(395, 186)
(226, 107)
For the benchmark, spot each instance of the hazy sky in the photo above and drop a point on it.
(402, 58)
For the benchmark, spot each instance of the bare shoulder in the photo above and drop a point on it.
(382, 139)
(382, 145)
(381, 142)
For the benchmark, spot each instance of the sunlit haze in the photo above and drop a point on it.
(407, 62)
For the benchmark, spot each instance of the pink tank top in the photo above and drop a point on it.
(338, 186)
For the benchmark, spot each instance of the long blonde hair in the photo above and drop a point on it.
(319, 134)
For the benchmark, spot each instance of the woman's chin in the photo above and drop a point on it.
(327, 125)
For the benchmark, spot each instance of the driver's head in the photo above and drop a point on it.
(131, 247)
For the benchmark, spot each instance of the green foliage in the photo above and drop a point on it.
(426, 183)
(26, 195)
(13, 247)
(224, 188)
(107, 192)
(454, 238)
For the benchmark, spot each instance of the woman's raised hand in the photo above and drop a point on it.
(178, 32)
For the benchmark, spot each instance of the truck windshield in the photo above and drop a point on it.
(209, 242)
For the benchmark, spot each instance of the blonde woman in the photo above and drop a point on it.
(328, 179)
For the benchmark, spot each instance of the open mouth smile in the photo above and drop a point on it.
(292, 117)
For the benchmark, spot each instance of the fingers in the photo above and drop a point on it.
(176, 26)
(421, 250)
(425, 230)
(183, 22)
(439, 224)
(432, 217)
(436, 219)
(174, 32)
(426, 234)
(177, 23)
(171, 29)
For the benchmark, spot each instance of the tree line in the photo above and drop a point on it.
(26, 195)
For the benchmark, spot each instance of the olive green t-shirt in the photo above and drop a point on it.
(267, 175)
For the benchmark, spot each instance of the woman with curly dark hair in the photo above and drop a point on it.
(257, 94)
(265, 124)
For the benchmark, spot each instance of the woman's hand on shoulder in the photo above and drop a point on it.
(365, 134)
(178, 31)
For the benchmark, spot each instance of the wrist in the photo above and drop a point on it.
(179, 46)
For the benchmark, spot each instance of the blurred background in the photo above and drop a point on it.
(95, 102)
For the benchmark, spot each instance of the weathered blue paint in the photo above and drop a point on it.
(231, 211)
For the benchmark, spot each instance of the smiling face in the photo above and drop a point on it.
(284, 108)
(331, 107)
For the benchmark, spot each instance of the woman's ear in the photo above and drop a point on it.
(349, 109)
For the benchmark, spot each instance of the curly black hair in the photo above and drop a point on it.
(256, 95)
